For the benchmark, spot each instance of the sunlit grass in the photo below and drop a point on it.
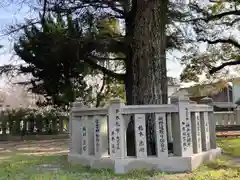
(230, 146)
(17, 166)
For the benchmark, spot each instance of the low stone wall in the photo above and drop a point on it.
(226, 118)
(98, 135)
(32, 137)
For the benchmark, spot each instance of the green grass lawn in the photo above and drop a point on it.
(18, 163)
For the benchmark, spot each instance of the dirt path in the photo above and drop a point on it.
(228, 134)
(235, 162)
(56, 146)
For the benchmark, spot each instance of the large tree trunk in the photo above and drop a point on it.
(149, 57)
(148, 63)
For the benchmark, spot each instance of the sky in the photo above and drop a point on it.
(10, 14)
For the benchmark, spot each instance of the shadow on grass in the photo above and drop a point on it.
(219, 164)
(136, 174)
(57, 166)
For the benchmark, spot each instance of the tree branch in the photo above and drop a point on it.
(20, 27)
(99, 94)
(232, 23)
(113, 7)
(108, 59)
(229, 41)
(106, 71)
(8, 69)
(230, 63)
(210, 17)
(94, 3)
(44, 12)
(219, 16)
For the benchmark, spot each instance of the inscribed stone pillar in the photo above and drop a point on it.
(212, 122)
(117, 134)
(182, 129)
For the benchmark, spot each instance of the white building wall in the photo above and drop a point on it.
(236, 92)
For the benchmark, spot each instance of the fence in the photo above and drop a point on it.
(228, 120)
(25, 122)
(98, 136)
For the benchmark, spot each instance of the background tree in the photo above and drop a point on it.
(49, 56)
(109, 45)
(215, 24)
(52, 56)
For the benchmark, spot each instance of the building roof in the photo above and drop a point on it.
(235, 80)
(205, 89)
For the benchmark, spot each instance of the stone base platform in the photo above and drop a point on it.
(168, 164)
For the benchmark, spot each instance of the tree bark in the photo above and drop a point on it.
(146, 77)
(129, 77)
(148, 49)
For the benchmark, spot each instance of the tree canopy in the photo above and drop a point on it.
(73, 39)
(217, 25)
(54, 55)
(49, 56)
